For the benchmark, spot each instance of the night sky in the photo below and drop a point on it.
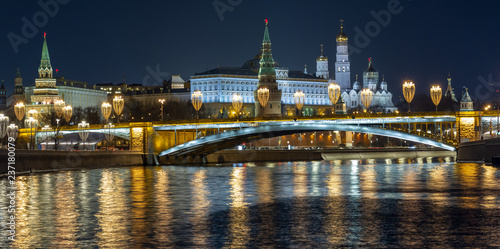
(113, 41)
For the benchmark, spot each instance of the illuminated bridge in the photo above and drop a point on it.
(207, 136)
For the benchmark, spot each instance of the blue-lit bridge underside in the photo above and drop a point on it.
(230, 139)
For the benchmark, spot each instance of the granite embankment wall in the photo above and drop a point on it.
(481, 151)
(39, 160)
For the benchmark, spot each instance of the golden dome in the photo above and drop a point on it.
(341, 36)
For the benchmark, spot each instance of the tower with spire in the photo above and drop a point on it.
(322, 66)
(18, 88)
(466, 103)
(267, 79)
(342, 64)
(449, 91)
(370, 77)
(45, 92)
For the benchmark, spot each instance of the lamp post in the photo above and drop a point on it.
(33, 113)
(237, 103)
(109, 135)
(334, 93)
(263, 96)
(161, 108)
(436, 94)
(118, 104)
(299, 98)
(106, 110)
(197, 101)
(83, 132)
(46, 130)
(58, 107)
(67, 113)
(366, 97)
(4, 121)
(31, 122)
(13, 131)
(20, 110)
(408, 92)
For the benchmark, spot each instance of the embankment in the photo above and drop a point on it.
(41, 160)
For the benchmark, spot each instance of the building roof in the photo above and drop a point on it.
(176, 79)
(370, 67)
(466, 96)
(45, 61)
(229, 70)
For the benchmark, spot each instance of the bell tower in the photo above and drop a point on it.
(342, 63)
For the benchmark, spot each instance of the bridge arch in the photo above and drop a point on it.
(221, 141)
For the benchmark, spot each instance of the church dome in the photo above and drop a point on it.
(356, 86)
(341, 36)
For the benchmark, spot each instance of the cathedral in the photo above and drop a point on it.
(382, 98)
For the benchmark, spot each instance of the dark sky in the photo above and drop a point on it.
(112, 41)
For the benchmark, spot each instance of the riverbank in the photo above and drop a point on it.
(481, 151)
(234, 156)
(27, 161)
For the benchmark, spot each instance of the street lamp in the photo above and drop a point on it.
(366, 97)
(334, 93)
(197, 101)
(408, 92)
(263, 96)
(58, 107)
(4, 121)
(33, 113)
(106, 110)
(161, 109)
(83, 132)
(67, 113)
(109, 135)
(12, 131)
(436, 94)
(299, 98)
(237, 103)
(118, 104)
(20, 110)
(46, 130)
(31, 122)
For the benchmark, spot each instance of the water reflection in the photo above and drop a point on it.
(164, 212)
(239, 231)
(265, 193)
(336, 226)
(113, 216)
(65, 207)
(300, 207)
(200, 208)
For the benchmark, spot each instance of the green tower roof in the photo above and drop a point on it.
(266, 61)
(45, 61)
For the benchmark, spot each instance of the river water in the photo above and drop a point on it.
(412, 203)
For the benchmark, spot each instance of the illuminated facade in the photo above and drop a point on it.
(218, 85)
(382, 98)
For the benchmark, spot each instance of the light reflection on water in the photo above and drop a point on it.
(374, 203)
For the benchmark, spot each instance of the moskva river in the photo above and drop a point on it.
(411, 203)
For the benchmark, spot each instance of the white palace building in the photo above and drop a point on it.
(218, 85)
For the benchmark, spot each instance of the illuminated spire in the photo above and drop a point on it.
(267, 61)
(341, 37)
(322, 57)
(45, 69)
